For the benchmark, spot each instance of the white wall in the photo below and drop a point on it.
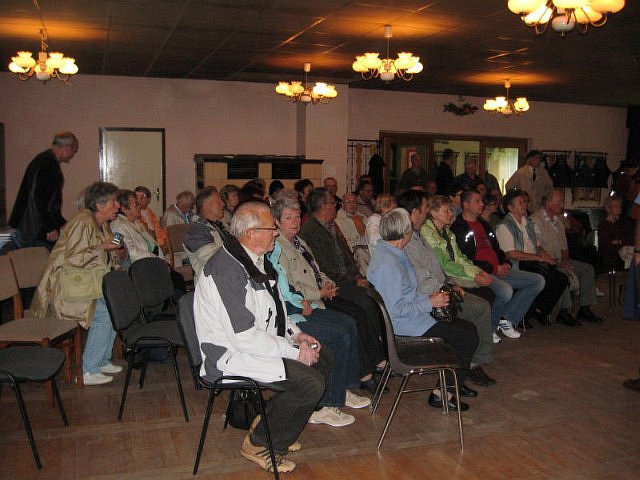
(235, 117)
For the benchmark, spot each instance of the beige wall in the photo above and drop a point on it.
(248, 118)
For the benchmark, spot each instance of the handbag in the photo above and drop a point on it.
(81, 285)
(243, 408)
(448, 314)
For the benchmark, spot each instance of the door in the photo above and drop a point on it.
(134, 156)
(501, 158)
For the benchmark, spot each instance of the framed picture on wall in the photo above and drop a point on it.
(557, 164)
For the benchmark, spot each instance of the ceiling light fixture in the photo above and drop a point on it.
(48, 65)
(504, 105)
(299, 92)
(564, 15)
(370, 66)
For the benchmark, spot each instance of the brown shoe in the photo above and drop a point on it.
(260, 456)
(294, 447)
(478, 376)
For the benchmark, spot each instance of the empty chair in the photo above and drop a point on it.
(28, 265)
(31, 364)
(137, 336)
(175, 236)
(234, 383)
(152, 282)
(415, 356)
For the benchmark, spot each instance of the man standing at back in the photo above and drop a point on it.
(36, 214)
(532, 179)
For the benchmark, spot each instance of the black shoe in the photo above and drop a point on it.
(586, 315)
(371, 385)
(478, 376)
(565, 318)
(436, 402)
(466, 392)
(525, 325)
(539, 317)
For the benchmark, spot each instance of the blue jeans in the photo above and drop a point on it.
(514, 295)
(97, 350)
(338, 331)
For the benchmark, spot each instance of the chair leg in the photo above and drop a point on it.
(460, 432)
(444, 392)
(403, 386)
(126, 383)
(143, 369)
(27, 424)
(384, 379)
(205, 427)
(267, 433)
(179, 384)
(227, 413)
(56, 393)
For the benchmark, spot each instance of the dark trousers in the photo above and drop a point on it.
(337, 331)
(463, 337)
(555, 283)
(354, 302)
(289, 411)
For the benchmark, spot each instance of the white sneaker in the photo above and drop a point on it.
(496, 338)
(356, 401)
(507, 329)
(111, 368)
(96, 378)
(332, 416)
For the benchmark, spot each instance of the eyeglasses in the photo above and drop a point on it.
(270, 229)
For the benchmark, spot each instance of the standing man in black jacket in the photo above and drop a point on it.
(36, 214)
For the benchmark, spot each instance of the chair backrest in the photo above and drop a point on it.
(187, 327)
(152, 282)
(29, 265)
(176, 234)
(121, 299)
(389, 338)
(9, 286)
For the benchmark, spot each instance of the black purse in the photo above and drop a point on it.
(243, 408)
(449, 313)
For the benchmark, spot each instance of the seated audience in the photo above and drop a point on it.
(148, 218)
(137, 242)
(517, 238)
(431, 188)
(551, 236)
(395, 278)
(333, 328)
(207, 231)
(83, 249)
(304, 188)
(515, 290)
(455, 264)
(352, 225)
(614, 232)
(275, 187)
(431, 278)
(229, 196)
(236, 297)
(469, 180)
(491, 211)
(384, 204)
(335, 260)
(365, 197)
(179, 212)
(331, 184)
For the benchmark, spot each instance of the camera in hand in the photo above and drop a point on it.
(117, 239)
(449, 313)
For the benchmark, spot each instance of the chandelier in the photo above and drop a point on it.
(299, 92)
(370, 66)
(48, 65)
(564, 15)
(504, 105)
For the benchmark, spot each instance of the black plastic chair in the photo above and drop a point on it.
(31, 364)
(409, 356)
(216, 386)
(137, 336)
(152, 281)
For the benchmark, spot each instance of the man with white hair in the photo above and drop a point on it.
(243, 329)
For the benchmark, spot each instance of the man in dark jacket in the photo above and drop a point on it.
(515, 289)
(444, 175)
(36, 214)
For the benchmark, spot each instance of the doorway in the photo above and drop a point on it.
(134, 156)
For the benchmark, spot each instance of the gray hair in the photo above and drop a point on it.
(63, 139)
(246, 217)
(317, 198)
(395, 224)
(99, 193)
(284, 202)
